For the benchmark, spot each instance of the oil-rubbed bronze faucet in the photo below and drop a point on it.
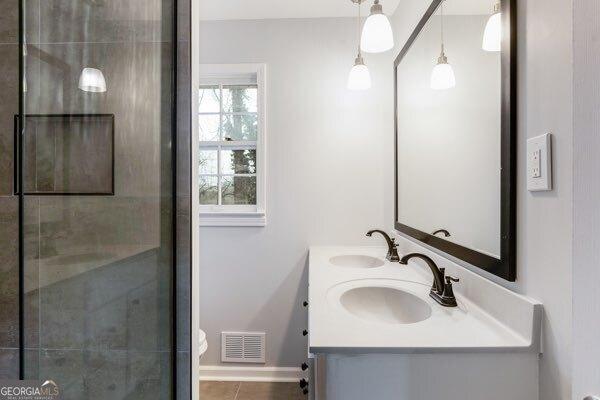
(440, 291)
(392, 254)
(444, 231)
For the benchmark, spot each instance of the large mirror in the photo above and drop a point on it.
(455, 128)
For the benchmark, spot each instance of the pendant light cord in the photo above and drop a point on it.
(358, 30)
(442, 23)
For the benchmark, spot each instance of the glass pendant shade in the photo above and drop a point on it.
(92, 80)
(492, 35)
(359, 77)
(377, 35)
(442, 77)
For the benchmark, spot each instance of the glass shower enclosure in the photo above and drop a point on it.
(94, 197)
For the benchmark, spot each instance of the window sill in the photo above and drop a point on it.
(238, 219)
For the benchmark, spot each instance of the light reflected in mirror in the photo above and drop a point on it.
(449, 139)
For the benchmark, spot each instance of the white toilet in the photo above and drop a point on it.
(202, 342)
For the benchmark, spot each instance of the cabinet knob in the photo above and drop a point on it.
(305, 303)
(304, 332)
(304, 366)
(303, 383)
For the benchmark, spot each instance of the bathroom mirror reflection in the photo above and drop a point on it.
(453, 133)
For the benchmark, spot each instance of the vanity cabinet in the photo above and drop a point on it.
(447, 376)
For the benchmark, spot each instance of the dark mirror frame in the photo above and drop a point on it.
(505, 266)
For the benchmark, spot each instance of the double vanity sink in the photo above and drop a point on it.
(355, 293)
(378, 301)
(375, 318)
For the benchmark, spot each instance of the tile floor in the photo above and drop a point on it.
(250, 391)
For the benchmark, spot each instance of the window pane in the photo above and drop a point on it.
(208, 162)
(239, 190)
(238, 161)
(209, 99)
(209, 190)
(209, 127)
(240, 127)
(242, 98)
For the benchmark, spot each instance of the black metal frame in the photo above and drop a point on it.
(17, 140)
(505, 266)
(19, 153)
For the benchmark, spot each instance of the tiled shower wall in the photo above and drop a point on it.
(98, 270)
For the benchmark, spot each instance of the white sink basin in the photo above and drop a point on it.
(385, 304)
(356, 261)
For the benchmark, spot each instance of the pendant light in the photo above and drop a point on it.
(377, 35)
(359, 77)
(92, 80)
(442, 76)
(492, 35)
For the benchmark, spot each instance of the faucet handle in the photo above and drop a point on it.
(394, 244)
(448, 295)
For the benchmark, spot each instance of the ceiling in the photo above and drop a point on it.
(271, 9)
(468, 7)
(274, 9)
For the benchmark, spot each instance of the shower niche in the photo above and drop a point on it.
(69, 154)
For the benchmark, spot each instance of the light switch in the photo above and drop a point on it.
(539, 163)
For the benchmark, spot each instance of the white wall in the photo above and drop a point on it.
(586, 201)
(326, 159)
(544, 219)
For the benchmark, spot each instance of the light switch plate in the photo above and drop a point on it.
(539, 163)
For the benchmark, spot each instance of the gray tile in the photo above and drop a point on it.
(148, 318)
(269, 391)
(31, 271)
(38, 160)
(68, 155)
(66, 368)
(121, 278)
(105, 375)
(137, 75)
(32, 363)
(101, 375)
(182, 201)
(9, 273)
(108, 304)
(107, 326)
(9, 363)
(184, 380)
(213, 390)
(149, 376)
(9, 21)
(9, 107)
(32, 319)
(63, 315)
(65, 21)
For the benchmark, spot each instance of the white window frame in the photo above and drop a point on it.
(238, 215)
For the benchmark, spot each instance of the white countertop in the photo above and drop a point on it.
(466, 328)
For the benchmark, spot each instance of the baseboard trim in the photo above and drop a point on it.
(250, 374)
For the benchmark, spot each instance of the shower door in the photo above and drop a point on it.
(94, 293)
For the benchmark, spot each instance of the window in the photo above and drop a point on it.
(231, 152)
